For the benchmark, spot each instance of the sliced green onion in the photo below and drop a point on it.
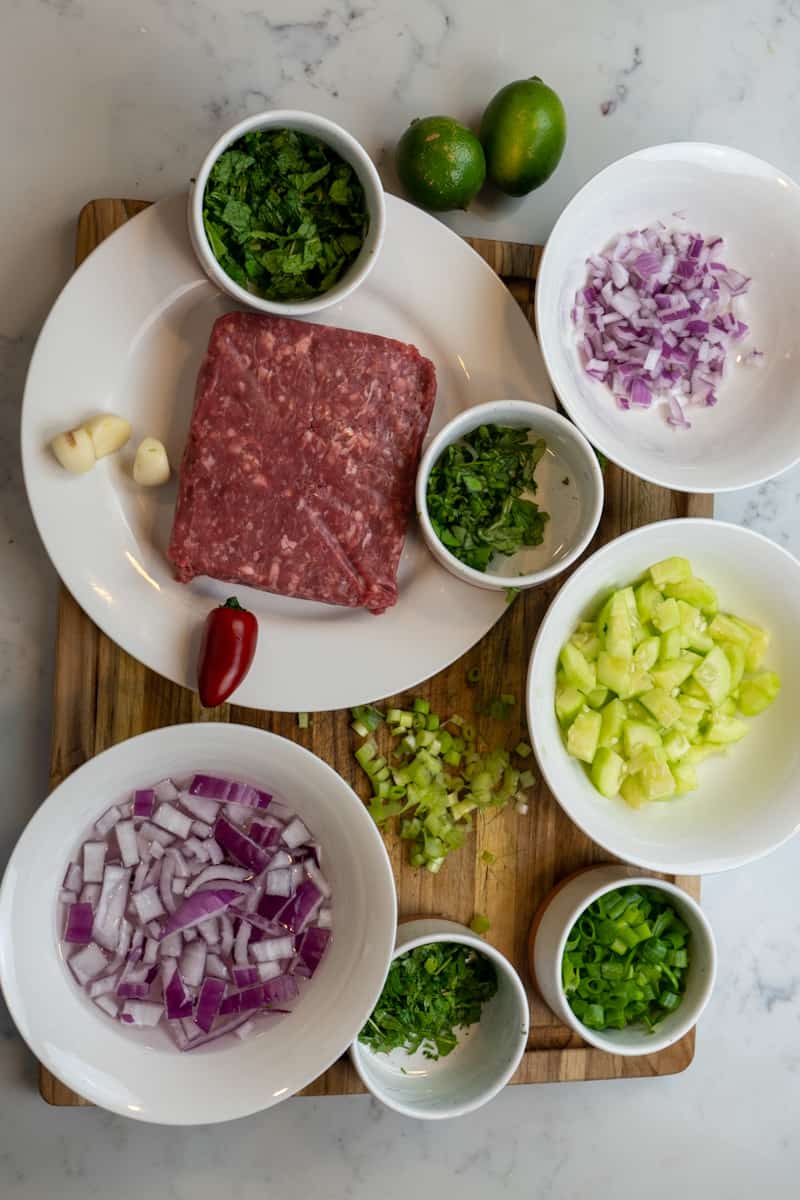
(474, 675)
(523, 749)
(480, 924)
(303, 720)
(621, 965)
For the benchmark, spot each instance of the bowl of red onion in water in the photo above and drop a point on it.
(667, 308)
(196, 924)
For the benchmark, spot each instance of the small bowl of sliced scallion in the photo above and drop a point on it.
(509, 494)
(450, 1026)
(627, 961)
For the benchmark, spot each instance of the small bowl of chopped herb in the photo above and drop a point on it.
(450, 1027)
(628, 961)
(287, 213)
(508, 494)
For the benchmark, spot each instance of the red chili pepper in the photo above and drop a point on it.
(226, 652)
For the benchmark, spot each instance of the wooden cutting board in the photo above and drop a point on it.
(102, 696)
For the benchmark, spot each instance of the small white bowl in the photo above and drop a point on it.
(753, 432)
(480, 1065)
(748, 801)
(138, 1072)
(575, 506)
(549, 937)
(352, 152)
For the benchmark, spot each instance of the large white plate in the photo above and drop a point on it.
(127, 335)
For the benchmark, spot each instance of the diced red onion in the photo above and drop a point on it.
(202, 808)
(295, 834)
(152, 833)
(80, 919)
(170, 818)
(313, 946)
(221, 873)
(148, 904)
(166, 790)
(88, 963)
(111, 904)
(94, 857)
(73, 880)
(657, 296)
(108, 820)
(208, 1003)
(229, 791)
(127, 842)
(157, 857)
(192, 963)
(216, 967)
(143, 1013)
(272, 949)
(144, 803)
(108, 1004)
(240, 944)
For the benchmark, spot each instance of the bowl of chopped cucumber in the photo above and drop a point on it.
(625, 960)
(661, 696)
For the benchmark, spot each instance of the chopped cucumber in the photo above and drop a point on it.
(569, 702)
(636, 734)
(758, 693)
(672, 673)
(580, 673)
(670, 645)
(664, 708)
(667, 615)
(583, 735)
(694, 591)
(670, 570)
(725, 629)
(657, 682)
(647, 597)
(646, 653)
(714, 675)
(613, 718)
(607, 771)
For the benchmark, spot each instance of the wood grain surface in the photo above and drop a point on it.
(102, 696)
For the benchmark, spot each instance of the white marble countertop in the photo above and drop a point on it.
(108, 97)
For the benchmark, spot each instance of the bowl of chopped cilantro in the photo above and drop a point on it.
(450, 1026)
(287, 213)
(508, 494)
(628, 961)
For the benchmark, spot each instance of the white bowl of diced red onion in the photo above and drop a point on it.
(667, 311)
(196, 924)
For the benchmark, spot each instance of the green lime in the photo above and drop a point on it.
(523, 132)
(440, 163)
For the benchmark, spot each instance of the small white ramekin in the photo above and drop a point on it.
(549, 934)
(583, 469)
(479, 1066)
(351, 151)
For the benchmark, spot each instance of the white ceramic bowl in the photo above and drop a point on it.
(575, 506)
(478, 1067)
(753, 432)
(352, 152)
(748, 801)
(554, 924)
(138, 1072)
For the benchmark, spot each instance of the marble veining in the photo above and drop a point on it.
(102, 97)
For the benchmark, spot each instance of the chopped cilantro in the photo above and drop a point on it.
(475, 495)
(429, 994)
(285, 216)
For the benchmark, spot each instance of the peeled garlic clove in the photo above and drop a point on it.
(151, 465)
(74, 449)
(108, 432)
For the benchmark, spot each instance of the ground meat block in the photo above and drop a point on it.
(298, 475)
